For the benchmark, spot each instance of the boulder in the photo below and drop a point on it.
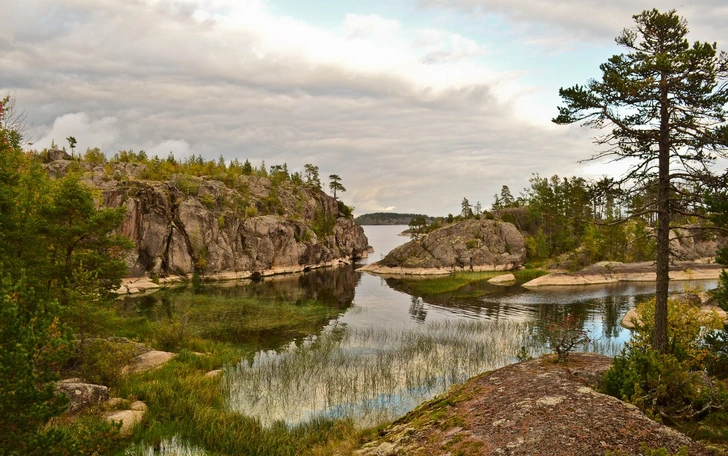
(81, 394)
(147, 361)
(128, 419)
(503, 279)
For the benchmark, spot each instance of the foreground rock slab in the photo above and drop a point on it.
(530, 408)
(504, 279)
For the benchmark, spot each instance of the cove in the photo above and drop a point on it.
(368, 348)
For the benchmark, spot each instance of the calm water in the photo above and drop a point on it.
(389, 350)
(378, 302)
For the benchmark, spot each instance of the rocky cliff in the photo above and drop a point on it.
(472, 245)
(254, 225)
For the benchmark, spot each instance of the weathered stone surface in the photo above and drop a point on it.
(128, 419)
(190, 224)
(530, 408)
(504, 279)
(470, 245)
(214, 373)
(612, 272)
(82, 394)
(147, 361)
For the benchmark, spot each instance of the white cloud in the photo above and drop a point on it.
(356, 26)
(99, 133)
(179, 147)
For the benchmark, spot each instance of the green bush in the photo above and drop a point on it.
(659, 385)
(171, 334)
(33, 345)
(345, 210)
(103, 361)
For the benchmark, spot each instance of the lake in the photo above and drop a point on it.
(383, 348)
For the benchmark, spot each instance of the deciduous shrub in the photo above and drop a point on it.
(565, 335)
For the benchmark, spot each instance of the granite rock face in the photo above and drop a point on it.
(467, 245)
(198, 224)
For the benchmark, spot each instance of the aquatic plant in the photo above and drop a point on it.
(371, 375)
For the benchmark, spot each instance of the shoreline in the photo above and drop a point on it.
(140, 285)
(375, 268)
(613, 272)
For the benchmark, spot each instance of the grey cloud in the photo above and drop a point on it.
(169, 80)
(593, 20)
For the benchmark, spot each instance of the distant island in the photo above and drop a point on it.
(388, 218)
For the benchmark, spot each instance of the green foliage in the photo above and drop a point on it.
(171, 335)
(345, 211)
(686, 330)
(87, 435)
(417, 226)
(311, 175)
(659, 384)
(335, 184)
(94, 156)
(323, 223)
(537, 246)
(669, 387)
(129, 156)
(33, 346)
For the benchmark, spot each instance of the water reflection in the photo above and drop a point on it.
(382, 332)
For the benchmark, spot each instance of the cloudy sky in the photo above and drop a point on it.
(414, 103)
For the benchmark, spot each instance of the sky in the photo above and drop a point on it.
(415, 104)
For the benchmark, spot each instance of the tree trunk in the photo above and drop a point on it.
(659, 334)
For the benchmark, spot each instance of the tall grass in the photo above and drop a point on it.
(369, 375)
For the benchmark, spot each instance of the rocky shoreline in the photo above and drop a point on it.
(137, 285)
(398, 271)
(613, 272)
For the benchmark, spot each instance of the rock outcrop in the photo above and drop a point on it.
(534, 407)
(470, 245)
(82, 394)
(612, 272)
(250, 226)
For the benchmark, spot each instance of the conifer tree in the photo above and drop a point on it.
(662, 105)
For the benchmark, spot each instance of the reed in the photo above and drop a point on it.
(369, 375)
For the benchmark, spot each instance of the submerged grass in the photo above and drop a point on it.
(370, 375)
(188, 412)
(428, 286)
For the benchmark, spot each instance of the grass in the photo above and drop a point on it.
(457, 281)
(188, 411)
(167, 318)
(369, 375)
